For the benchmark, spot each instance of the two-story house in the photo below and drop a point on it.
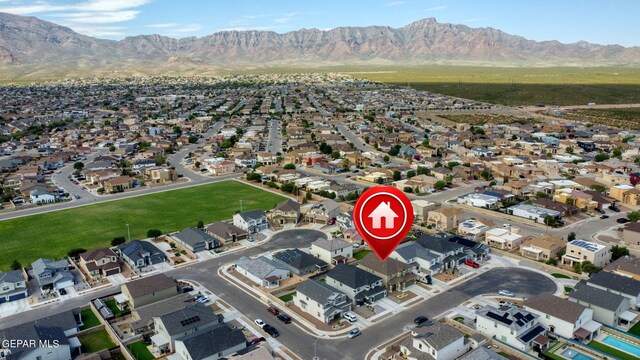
(139, 254)
(333, 251)
(451, 254)
(226, 232)
(321, 212)
(617, 284)
(608, 308)
(253, 221)
(437, 341)
(99, 263)
(148, 290)
(286, 212)
(563, 317)
(180, 323)
(444, 219)
(213, 343)
(12, 286)
(428, 263)
(516, 327)
(396, 275)
(52, 274)
(359, 285)
(321, 300)
(298, 261)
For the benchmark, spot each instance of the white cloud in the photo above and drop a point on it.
(436, 8)
(394, 3)
(281, 20)
(99, 17)
(101, 31)
(162, 25)
(247, 28)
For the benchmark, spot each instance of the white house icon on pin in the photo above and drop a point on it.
(383, 211)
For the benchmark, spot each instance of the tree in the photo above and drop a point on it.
(308, 195)
(290, 166)
(193, 139)
(571, 236)
(154, 233)
(452, 164)
(288, 187)
(253, 176)
(335, 155)
(601, 157)
(200, 224)
(407, 189)
(73, 253)
(618, 251)
(423, 170)
(589, 268)
(550, 221)
(577, 268)
(439, 185)
(380, 181)
(599, 188)
(386, 158)
(486, 175)
(570, 201)
(15, 265)
(633, 216)
(394, 151)
(112, 148)
(118, 240)
(397, 175)
(160, 160)
(541, 195)
(569, 150)
(617, 153)
(79, 165)
(411, 173)
(197, 164)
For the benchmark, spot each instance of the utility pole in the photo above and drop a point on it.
(315, 353)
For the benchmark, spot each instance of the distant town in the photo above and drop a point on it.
(192, 218)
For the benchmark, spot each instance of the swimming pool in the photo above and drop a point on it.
(622, 345)
(572, 354)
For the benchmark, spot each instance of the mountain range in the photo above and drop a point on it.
(30, 46)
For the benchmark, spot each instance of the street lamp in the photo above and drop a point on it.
(240, 205)
(128, 233)
(315, 353)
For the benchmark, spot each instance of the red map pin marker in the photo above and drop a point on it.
(383, 216)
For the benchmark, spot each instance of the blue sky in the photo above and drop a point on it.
(603, 22)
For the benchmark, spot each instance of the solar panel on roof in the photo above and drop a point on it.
(529, 317)
(495, 316)
(190, 320)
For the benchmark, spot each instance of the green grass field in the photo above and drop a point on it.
(361, 254)
(140, 351)
(96, 341)
(53, 234)
(89, 319)
(635, 330)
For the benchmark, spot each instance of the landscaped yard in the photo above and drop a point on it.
(612, 351)
(89, 319)
(635, 330)
(360, 254)
(96, 341)
(111, 304)
(140, 351)
(568, 289)
(53, 234)
(287, 297)
(560, 276)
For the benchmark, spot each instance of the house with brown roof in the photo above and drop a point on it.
(99, 263)
(631, 234)
(444, 219)
(226, 232)
(542, 247)
(118, 184)
(563, 317)
(396, 275)
(286, 212)
(626, 266)
(148, 290)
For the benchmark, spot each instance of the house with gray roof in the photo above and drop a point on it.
(59, 347)
(299, 262)
(213, 343)
(482, 353)
(262, 271)
(12, 286)
(139, 254)
(608, 308)
(360, 286)
(413, 253)
(563, 317)
(451, 254)
(182, 322)
(226, 232)
(618, 284)
(519, 328)
(321, 212)
(52, 274)
(196, 240)
(253, 221)
(321, 300)
(437, 341)
(149, 289)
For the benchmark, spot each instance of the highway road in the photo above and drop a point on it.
(87, 198)
(524, 283)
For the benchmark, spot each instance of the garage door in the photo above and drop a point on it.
(64, 284)
(17, 297)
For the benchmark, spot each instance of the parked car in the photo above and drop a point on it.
(331, 221)
(203, 300)
(76, 196)
(420, 320)
(604, 216)
(260, 323)
(599, 210)
(471, 263)
(273, 310)
(256, 340)
(354, 333)
(284, 318)
(622, 221)
(63, 292)
(506, 293)
(614, 209)
(349, 316)
(271, 331)
(506, 303)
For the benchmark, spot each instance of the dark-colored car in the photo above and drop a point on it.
(63, 292)
(599, 210)
(284, 318)
(604, 216)
(257, 340)
(420, 320)
(273, 310)
(271, 331)
(622, 221)
(613, 208)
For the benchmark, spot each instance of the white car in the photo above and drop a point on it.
(203, 299)
(506, 293)
(349, 316)
(260, 323)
